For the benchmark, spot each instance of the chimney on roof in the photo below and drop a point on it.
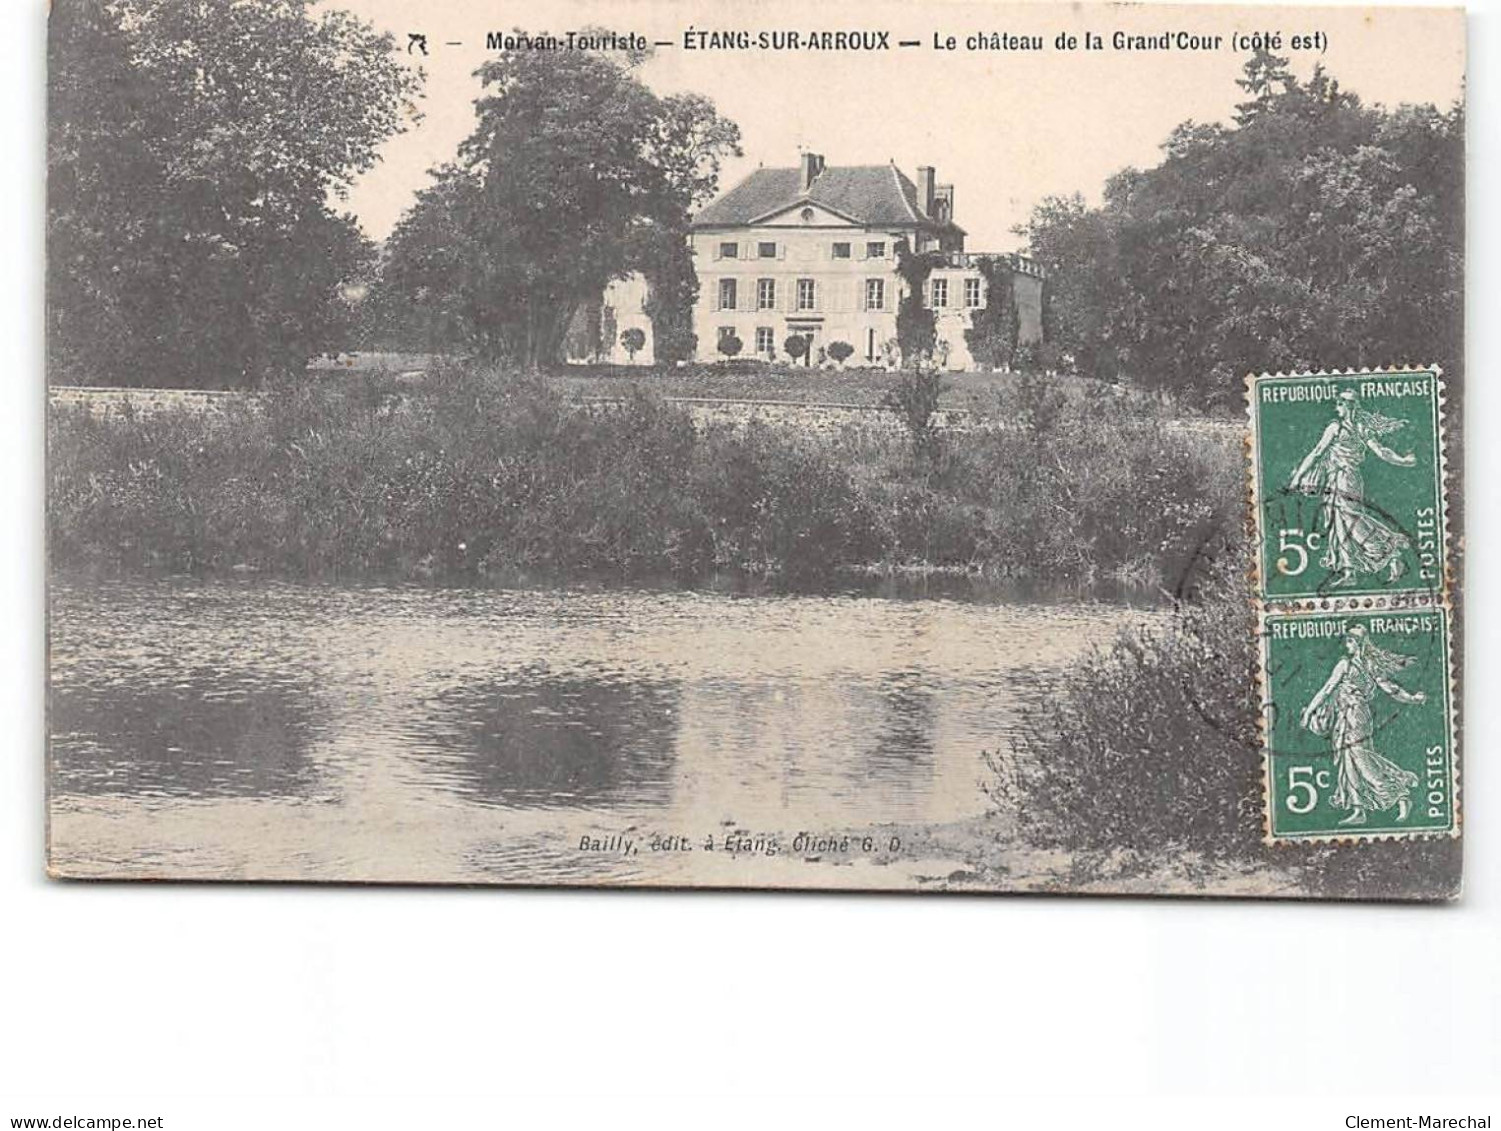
(925, 176)
(812, 165)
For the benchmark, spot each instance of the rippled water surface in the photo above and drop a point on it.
(314, 732)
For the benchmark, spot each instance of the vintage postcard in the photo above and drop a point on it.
(882, 446)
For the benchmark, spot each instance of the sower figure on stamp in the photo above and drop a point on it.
(1342, 710)
(1356, 539)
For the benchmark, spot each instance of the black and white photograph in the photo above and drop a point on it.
(740, 564)
(579, 454)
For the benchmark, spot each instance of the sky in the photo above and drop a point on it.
(1006, 128)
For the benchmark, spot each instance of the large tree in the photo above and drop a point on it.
(1315, 232)
(576, 174)
(194, 150)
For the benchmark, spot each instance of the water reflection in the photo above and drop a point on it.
(311, 731)
(905, 731)
(550, 740)
(205, 734)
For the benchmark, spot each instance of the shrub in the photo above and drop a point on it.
(779, 503)
(841, 351)
(796, 346)
(1148, 753)
(1148, 746)
(473, 473)
(634, 341)
(470, 474)
(914, 399)
(730, 345)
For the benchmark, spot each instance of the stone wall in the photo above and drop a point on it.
(106, 402)
(819, 419)
(813, 419)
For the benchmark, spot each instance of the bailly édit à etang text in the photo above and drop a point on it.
(867, 40)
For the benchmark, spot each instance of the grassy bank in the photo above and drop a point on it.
(474, 475)
(1147, 755)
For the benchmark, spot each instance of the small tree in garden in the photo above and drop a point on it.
(915, 400)
(634, 341)
(730, 345)
(840, 352)
(796, 346)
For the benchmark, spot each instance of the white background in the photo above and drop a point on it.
(290, 1007)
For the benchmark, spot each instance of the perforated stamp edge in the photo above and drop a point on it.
(1442, 600)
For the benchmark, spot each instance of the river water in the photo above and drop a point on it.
(239, 730)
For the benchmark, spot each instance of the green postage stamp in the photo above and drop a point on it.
(1356, 724)
(1347, 477)
(1353, 595)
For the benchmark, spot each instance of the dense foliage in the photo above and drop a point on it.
(472, 475)
(576, 174)
(192, 153)
(1314, 232)
(995, 329)
(916, 323)
(1148, 755)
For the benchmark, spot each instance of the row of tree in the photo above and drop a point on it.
(1313, 232)
(197, 154)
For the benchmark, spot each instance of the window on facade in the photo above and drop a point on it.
(729, 251)
(875, 250)
(726, 294)
(766, 342)
(807, 295)
(875, 294)
(841, 251)
(766, 294)
(971, 293)
(940, 293)
(766, 250)
(726, 332)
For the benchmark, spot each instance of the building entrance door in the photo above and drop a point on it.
(812, 332)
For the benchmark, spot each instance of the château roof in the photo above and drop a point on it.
(874, 195)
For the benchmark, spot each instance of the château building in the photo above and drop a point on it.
(812, 250)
